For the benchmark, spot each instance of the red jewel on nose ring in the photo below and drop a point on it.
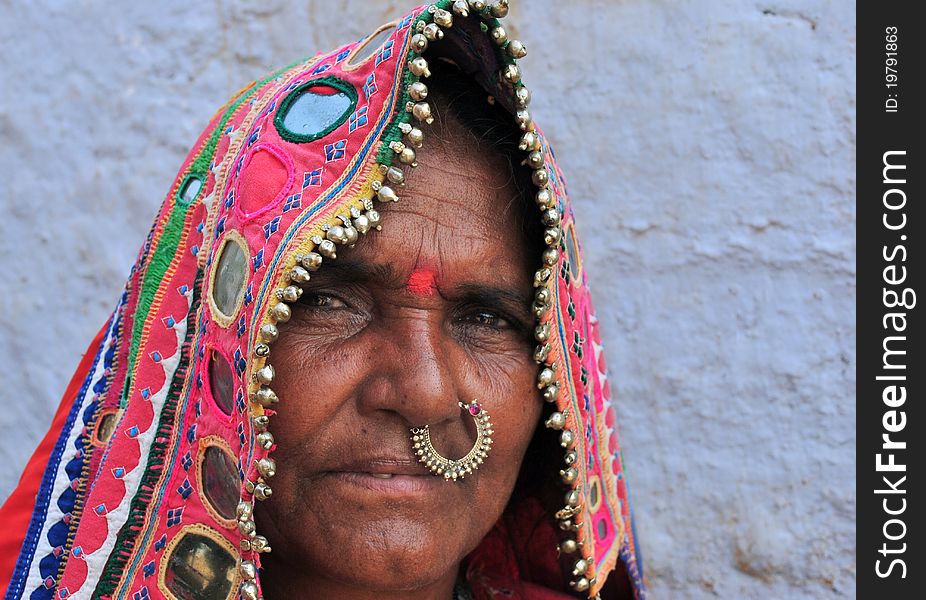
(453, 469)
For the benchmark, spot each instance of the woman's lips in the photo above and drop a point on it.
(393, 484)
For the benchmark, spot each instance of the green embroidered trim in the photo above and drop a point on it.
(163, 438)
(301, 138)
(392, 133)
(167, 245)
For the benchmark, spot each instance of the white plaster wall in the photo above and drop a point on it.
(710, 148)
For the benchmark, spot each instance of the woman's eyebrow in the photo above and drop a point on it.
(362, 272)
(347, 271)
(491, 294)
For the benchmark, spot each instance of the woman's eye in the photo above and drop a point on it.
(489, 319)
(322, 300)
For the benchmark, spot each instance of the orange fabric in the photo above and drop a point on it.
(16, 512)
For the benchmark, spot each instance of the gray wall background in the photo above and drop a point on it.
(710, 148)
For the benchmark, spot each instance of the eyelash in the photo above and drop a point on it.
(309, 296)
(502, 321)
(494, 316)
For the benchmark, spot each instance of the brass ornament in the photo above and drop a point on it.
(452, 469)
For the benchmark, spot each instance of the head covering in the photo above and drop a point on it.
(146, 481)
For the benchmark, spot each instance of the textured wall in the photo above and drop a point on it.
(710, 149)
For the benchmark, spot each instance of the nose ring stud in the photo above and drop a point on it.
(452, 469)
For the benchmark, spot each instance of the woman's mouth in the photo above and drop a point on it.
(394, 485)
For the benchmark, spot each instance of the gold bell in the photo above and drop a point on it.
(387, 194)
(516, 49)
(569, 475)
(529, 141)
(580, 568)
(265, 375)
(375, 219)
(545, 378)
(395, 175)
(408, 156)
(418, 91)
(433, 32)
(327, 249)
(461, 8)
(299, 275)
(540, 177)
(337, 234)
(362, 223)
(419, 43)
(552, 236)
(512, 73)
(352, 235)
(248, 590)
(281, 312)
(500, 9)
(265, 396)
(566, 438)
(262, 491)
(291, 293)
(422, 112)
(267, 467)
(551, 256)
(443, 18)
(248, 570)
(556, 421)
(269, 333)
(550, 393)
(535, 160)
(265, 440)
(499, 35)
(312, 261)
(419, 67)
(580, 585)
(551, 217)
(573, 498)
(415, 137)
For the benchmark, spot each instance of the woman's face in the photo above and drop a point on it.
(428, 312)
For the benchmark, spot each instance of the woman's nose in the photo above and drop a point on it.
(414, 372)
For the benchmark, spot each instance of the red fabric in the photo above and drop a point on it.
(266, 178)
(525, 532)
(16, 512)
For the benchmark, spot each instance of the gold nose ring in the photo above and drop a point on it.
(459, 468)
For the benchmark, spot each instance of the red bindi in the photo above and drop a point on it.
(422, 282)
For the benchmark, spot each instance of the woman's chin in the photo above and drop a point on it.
(377, 551)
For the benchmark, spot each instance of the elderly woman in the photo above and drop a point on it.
(356, 357)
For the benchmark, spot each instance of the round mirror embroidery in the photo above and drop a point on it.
(221, 382)
(105, 428)
(220, 482)
(371, 45)
(315, 109)
(230, 276)
(602, 529)
(595, 494)
(190, 188)
(571, 244)
(200, 569)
